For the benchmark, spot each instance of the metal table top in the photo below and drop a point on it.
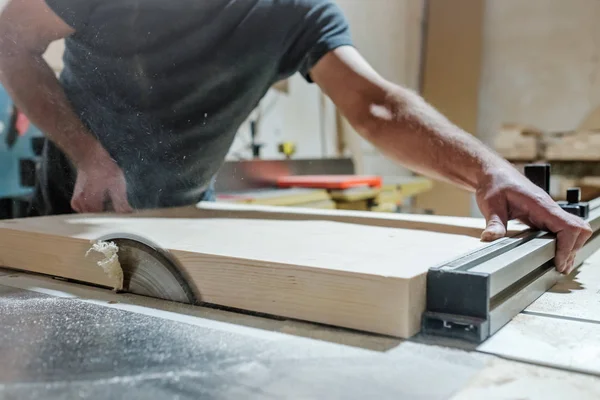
(63, 341)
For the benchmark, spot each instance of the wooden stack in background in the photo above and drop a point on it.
(573, 146)
(574, 156)
(519, 142)
(295, 197)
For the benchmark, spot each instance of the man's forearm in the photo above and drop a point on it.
(404, 127)
(36, 91)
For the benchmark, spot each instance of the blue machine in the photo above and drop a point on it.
(20, 148)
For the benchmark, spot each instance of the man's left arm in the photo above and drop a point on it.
(403, 126)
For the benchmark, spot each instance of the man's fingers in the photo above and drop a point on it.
(565, 245)
(571, 234)
(570, 264)
(495, 228)
(75, 204)
(91, 202)
(120, 201)
(584, 234)
(527, 221)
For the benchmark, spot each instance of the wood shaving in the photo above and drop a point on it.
(110, 261)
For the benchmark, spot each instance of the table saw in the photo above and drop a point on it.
(64, 339)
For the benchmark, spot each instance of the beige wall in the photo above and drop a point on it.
(451, 76)
(388, 35)
(541, 63)
(53, 55)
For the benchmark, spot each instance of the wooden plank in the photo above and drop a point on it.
(62, 255)
(518, 142)
(433, 223)
(276, 197)
(323, 204)
(353, 275)
(443, 224)
(354, 194)
(574, 146)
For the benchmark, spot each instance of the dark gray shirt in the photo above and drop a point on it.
(165, 84)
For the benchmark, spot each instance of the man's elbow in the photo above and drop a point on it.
(379, 113)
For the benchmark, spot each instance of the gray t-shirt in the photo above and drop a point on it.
(166, 84)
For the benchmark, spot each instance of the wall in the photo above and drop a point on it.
(451, 76)
(53, 55)
(388, 34)
(541, 64)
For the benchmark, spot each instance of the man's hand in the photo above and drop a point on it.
(505, 194)
(100, 186)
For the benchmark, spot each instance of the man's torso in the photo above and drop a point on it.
(165, 85)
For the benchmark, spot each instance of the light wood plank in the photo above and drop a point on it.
(62, 255)
(353, 275)
(443, 224)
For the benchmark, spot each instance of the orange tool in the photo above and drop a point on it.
(329, 181)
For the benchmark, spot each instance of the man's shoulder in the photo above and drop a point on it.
(320, 27)
(305, 6)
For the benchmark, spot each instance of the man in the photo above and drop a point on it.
(153, 92)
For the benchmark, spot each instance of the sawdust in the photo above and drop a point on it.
(110, 261)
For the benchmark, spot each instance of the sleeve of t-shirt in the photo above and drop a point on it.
(75, 13)
(320, 28)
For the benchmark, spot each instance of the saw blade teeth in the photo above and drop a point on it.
(151, 272)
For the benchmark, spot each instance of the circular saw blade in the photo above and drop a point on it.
(149, 270)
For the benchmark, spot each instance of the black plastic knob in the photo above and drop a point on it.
(573, 195)
(539, 174)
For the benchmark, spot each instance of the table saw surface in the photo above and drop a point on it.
(64, 340)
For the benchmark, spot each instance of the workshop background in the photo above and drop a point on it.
(239, 301)
(522, 76)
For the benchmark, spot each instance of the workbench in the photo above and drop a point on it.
(63, 340)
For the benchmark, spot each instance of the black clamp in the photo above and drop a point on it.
(539, 174)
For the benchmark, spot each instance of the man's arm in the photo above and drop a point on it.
(407, 129)
(27, 27)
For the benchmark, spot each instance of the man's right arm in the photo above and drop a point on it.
(27, 27)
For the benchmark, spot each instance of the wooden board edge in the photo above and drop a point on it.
(440, 224)
(301, 293)
(53, 255)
